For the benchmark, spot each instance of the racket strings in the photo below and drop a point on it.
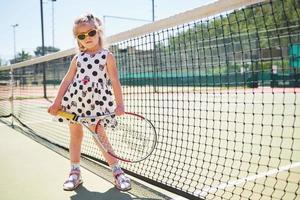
(132, 139)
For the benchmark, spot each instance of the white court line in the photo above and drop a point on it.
(206, 190)
(29, 122)
(2, 124)
(37, 121)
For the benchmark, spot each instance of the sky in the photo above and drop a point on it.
(27, 15)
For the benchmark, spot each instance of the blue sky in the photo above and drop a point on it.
(27, 14)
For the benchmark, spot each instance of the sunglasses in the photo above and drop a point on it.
(91, 33)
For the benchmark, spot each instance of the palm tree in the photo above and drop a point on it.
(21, 56)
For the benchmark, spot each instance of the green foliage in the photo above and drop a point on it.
(260, 22)
(257, 32)
(48, 50)
(3, 62)
(21, 56)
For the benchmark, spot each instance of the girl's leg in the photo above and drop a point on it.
(101, 134)
(76, 135)
(122, 182)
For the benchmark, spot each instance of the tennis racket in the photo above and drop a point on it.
(132, 139)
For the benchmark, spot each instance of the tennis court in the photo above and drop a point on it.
(234, 154)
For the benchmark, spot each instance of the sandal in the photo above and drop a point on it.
(72, 183)
(122, 182)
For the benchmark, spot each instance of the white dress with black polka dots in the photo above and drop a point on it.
(90, 93)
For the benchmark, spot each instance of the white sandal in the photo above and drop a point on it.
(122, 182)
(73, 183)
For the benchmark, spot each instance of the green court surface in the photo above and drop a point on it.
(29, 170)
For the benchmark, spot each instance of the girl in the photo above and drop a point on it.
(86, 90)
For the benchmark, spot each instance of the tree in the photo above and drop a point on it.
(1, 62)
(48, 50)
(21, 56)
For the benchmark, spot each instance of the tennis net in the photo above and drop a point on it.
(221, 84)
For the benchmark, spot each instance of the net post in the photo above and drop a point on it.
(44, 80)
(11, 99)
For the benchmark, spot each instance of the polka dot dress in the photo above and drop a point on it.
(90, 93)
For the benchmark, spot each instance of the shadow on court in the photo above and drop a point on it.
(83, 193)
(111, 194)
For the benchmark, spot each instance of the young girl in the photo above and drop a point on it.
(86, 90)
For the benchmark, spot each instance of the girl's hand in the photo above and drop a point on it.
(54, 108)
(119, 110)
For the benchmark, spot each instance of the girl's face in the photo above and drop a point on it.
(88, 36)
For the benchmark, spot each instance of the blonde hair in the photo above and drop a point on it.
(93, 21)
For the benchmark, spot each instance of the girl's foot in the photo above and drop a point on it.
(74, 180)
(122, 182)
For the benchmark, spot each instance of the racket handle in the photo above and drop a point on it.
(66, 115)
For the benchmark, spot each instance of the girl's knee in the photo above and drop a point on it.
(76, 129)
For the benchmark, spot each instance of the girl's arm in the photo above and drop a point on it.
(116, 85)
(56, 105)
